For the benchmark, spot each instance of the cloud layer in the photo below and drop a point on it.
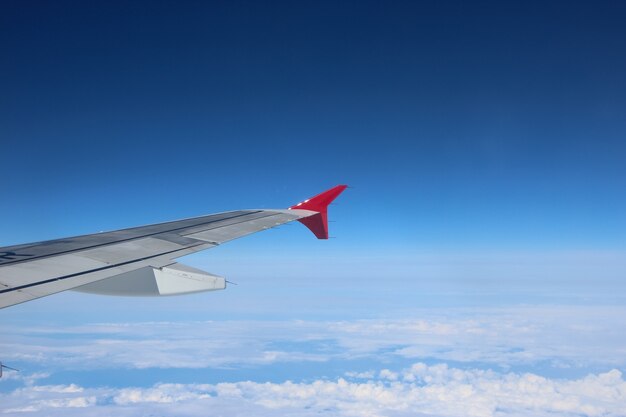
(419, 390)
(564, 337)
(521, 361)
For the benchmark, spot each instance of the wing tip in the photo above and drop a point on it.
(318, 223)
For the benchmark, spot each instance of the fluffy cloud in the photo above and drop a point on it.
(545, 341)
(419, 390)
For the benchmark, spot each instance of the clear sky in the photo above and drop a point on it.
(485, 142)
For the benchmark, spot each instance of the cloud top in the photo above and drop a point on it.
(419, 390)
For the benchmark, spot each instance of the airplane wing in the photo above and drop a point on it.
(140, 260)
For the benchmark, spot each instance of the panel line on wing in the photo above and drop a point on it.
(47, 281)
(192, 232)
(31, 258)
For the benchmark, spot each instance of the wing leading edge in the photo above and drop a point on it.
(140, 260)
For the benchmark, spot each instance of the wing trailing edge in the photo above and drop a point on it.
(318, 223)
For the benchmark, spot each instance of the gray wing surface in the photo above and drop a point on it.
(38, 269)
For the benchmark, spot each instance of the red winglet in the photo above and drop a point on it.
(318, 223)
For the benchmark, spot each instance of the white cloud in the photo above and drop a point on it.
(360, 375)
(567, 337)
(387, 374)
(39, 404)
(436, 390)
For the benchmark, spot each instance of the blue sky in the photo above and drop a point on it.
(485, 144)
